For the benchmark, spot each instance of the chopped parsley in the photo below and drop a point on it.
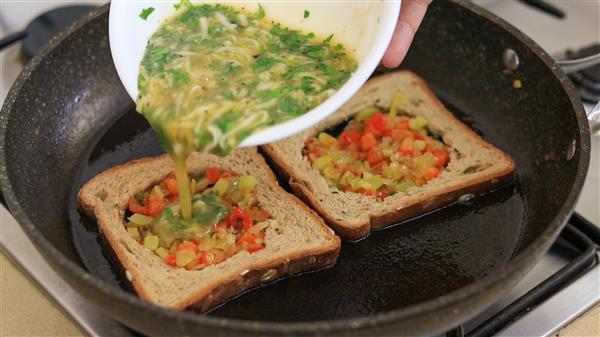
(225, 123)
(177, 224)
(306, 86)
(272, 93)
(306, 13)
(182, 3)
(156, 58)
(146, 12)
(228, 95)
(263, 63)
(261, 12)
(291, 106)
(211, 55)
(179, 77)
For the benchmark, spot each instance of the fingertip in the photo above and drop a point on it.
(398, 47)
(391, 59)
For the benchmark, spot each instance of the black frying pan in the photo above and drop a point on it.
(68, 118)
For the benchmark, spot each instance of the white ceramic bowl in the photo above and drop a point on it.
(365, 26)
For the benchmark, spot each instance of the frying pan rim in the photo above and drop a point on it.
(528, 256)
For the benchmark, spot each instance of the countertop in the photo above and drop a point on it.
(26, 310)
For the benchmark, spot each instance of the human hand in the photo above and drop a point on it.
(411, 15)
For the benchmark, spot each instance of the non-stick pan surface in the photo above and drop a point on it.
(67, 118)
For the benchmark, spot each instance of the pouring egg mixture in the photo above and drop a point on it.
(211, 76)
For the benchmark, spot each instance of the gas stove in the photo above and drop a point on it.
(563, 285)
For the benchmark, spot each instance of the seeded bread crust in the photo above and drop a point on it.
(475, 166)
(297, 239)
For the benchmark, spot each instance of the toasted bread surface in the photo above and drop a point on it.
(475, 166)
(296, 239)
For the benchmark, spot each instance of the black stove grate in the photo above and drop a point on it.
(587, 81)
(583, 236)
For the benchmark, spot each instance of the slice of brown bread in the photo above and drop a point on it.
(475, 166)
(296, 239)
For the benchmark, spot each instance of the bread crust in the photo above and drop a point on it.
(426, 202)
(95, 201)
(258, 276)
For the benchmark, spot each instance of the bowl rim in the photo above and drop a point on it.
(387, 21)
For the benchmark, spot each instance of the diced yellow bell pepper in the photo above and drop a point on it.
(417, 123)
(135, 234)
(371, 181)
(222, 186)
(366, 113)
(247, 183)
(398, 99)
(162, 252)
(140, 219)
(326, 139)
(322, 162)
(420, 145)
(151, 242)
(183, 257)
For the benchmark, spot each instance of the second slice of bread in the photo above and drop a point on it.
(296, 239)
(475, 166)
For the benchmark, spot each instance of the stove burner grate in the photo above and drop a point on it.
(586, 81)
(583, 236)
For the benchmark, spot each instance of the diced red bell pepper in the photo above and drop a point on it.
(374, 155)
(136, 207)
(400, 134)
(254, 248)
(155, 205)
(350, 137)
(213, 174)
(378, 168)
(367, 141)
(170, 183)
(218, 256)
(226, 175)
(257, 214)
(431, 172)
(247, 238)
(382, 193)
(403, 125)
(366, 192)
(406, 148)
(352, 169)
(419, 136)
(313, 155)
(314, 151)
(170, 259)
(238, 219)
(207, 258)
(249, 242)
(354, 147)
(377, 124)
(442, 155)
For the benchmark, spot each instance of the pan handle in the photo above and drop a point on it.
(571, 66)
(594, 120)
